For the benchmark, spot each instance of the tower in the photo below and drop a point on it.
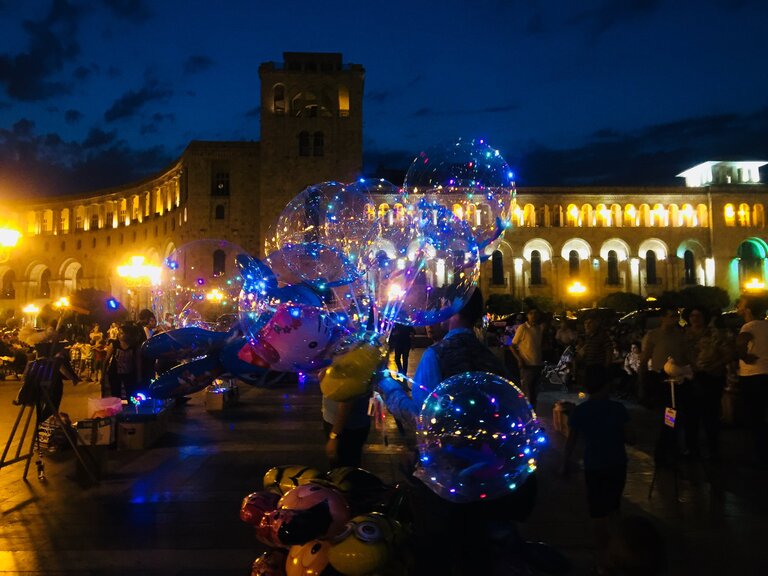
(311, 126)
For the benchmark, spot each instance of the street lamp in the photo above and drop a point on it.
(754, 285)
(31, 310)
(137, 275)
(576, 289)
(9, 238)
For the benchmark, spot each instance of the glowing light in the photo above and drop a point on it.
(138, 271)
(395, 292)
(30, 309)
(754, 284)
(9, 237)
(576, 287)
(62, 302)
(215, 295)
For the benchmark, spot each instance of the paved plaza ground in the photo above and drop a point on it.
(172, 509)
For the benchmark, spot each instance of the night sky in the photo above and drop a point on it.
(96, 93)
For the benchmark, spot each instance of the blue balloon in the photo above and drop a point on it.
(186, 378)
(182, 343)
(478, 436)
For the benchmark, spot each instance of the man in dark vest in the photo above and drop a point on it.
(459, 351)
(447, 535)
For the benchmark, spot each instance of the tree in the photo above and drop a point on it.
(712, 297)
(95, 301)
(622, 301)
(503, 304)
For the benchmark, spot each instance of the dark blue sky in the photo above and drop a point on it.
(95, 93)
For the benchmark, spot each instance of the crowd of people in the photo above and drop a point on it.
(111, 358)
(691, 352)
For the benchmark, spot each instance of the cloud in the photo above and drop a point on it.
(131, 102)
(98, 138)
(33, 164)
(425, 112)
(253, 112)
(197, 63)
(28, 76)
(609, 13)
(73, 116)
(153, 127)
(651, 156)
(378, 96)
(133, 10)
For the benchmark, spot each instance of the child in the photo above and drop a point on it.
(603, 424)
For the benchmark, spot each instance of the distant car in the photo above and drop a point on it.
(642, 320)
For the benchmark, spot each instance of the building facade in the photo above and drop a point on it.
(710, 231)
(311, 131)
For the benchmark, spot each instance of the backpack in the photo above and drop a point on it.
(123, 361)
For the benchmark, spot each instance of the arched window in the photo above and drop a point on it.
(8, 292)
(573, 263)
(689, 268)
(44, 290)
(630, 215)
(343, 101)
(688, 216)
(750, 261)
(279, 99)
(318, 144)
(730, 215)
(603, 215)
(304, 146)
(219, 262)
(650, 267)
(219, 212)
(497, 268)
(744, 215)
(535, 267)
(613, 268)
(758, 219)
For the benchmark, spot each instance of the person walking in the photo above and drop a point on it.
(603, 424)
(593, 353)
(752, 351)
(658, 346)
(527, 346)
(401, 344)
(711, 353)
(123, 363)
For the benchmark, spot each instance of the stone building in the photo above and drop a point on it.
(642, 240)
(311, 131)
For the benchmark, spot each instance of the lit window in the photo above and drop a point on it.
(730, 215)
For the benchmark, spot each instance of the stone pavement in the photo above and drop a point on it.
(172, 509)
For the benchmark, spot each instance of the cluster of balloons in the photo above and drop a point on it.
(336, 523)
(344, 263)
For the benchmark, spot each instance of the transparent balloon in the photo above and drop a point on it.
(323, 231)
(271, 282)
(291, 325)
(200, 285)
(471, 179)
(478, 437)
(422, 267)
